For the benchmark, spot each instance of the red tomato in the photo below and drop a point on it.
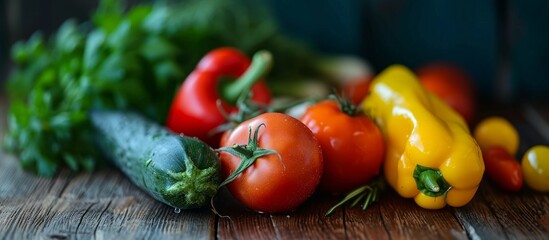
(274, 184)
(357, 90)
(503, 169)
(452, 85)
(352, 146)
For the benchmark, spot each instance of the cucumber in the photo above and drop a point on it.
(179, 171)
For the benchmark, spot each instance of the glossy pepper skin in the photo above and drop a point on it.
(427, 142)
(194, 111)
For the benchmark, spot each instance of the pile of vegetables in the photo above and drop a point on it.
(121, 59)
(173, 100)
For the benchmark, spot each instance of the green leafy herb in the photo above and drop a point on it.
(131, 59)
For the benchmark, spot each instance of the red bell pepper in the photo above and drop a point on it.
(194, 110)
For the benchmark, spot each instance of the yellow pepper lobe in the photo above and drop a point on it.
(421, 130)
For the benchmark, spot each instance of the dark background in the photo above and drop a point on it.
(503, 45)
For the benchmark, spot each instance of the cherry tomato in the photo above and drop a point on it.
(535, 166)
(497, 131)
(503, 169)
(452, 85)
(357, 90)
(274, 183)
(352, 146)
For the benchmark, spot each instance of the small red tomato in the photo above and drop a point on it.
(352, 146)
(503, 169)
(452, 85)
(357, 90)
(274, 182)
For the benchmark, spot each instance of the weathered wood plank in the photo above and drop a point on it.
(17, 183)
(238, 222)
(306, 222)
(55, 217)
(369, 223)
(104, 183)
(478, 219)
(108, 213)
(522, 215)
(127, 219)
(46, 217)
(132, 213)
(497, 214)
(309, 222)
(403, 219)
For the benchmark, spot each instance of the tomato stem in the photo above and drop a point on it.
(260, 66)
(248, 109)
(345, 106)
(248, 153)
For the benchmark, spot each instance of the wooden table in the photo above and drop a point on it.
(104, 204)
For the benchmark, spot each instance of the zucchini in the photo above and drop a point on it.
(179, 171)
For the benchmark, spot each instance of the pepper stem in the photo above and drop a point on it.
(430, 181)
(260, 66)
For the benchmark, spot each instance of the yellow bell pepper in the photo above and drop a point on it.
(431, 155)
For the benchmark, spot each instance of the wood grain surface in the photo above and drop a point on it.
(105, 205)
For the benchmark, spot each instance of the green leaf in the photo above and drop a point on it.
(28, 158)
(112, 68)
(92, 52)
(19, 53)
(155, 22)
(88, 163)
(156, 48)
(367, 194)
(46, 167)
(122, 37)
(166, 71)
(68, 38)
(61, 120)
(108, 15)
(24, 52)
(138, 14)
(71, 162)
(47, 77)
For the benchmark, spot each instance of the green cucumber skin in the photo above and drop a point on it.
(149, 155)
